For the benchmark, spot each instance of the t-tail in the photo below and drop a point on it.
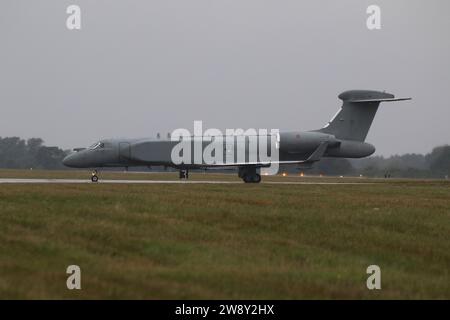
(353, 120)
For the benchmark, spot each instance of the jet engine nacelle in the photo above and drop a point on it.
(351, 149)
(304, 142)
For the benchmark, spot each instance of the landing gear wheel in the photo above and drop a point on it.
(252, 178)
(94, 178)
(184, 174)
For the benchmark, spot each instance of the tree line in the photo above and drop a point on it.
(435, 164)
(17, 153)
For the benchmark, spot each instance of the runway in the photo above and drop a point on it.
(85, 181)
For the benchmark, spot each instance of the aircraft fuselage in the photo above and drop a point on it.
(292, 146)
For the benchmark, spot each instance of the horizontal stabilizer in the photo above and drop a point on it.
(379, 100)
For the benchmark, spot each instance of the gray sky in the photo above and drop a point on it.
(141, 67)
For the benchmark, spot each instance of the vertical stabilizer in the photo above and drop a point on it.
(353, 120)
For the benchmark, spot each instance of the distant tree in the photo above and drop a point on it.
(372, 171)
(331, 166)
(13, 152)
(440, 161)
(50, 158)
(34, 144)
(18, 153)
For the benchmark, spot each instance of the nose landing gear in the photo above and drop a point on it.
(94, 176)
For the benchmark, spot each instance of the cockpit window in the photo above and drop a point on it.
(94, 145)
(97, 145)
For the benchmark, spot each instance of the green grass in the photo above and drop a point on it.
(224, 241)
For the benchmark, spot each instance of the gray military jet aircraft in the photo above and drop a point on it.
(342, 137)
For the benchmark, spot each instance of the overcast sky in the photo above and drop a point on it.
(141, 67)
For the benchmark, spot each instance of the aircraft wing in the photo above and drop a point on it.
(315, 156)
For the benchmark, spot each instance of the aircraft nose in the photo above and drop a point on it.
(71, 160)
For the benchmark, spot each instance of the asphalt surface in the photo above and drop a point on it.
(85, 181)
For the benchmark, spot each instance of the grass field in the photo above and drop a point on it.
(226, 241)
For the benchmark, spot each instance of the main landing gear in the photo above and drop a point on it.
(252, 178)
(184, 174)
(94, 176)
(249, 174)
